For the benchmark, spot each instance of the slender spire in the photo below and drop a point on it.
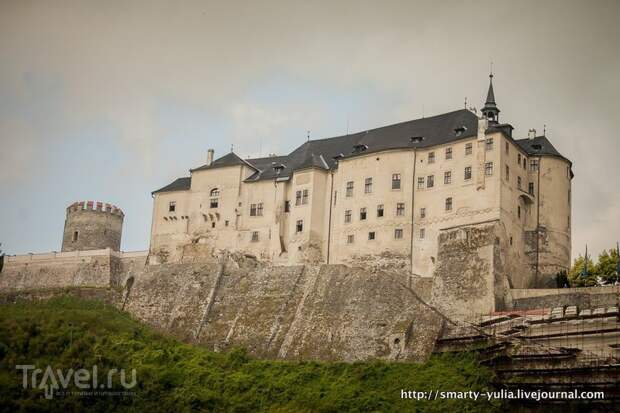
(490, 109)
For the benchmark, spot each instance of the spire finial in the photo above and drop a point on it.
(490, 109)
(491, 70)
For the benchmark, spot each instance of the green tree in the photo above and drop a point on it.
(607, 266)
(575, 275)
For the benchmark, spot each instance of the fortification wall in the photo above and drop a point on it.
(328, 312)
(588, 297)
(95, 268)
(470, 275)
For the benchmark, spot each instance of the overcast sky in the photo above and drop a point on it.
(110, 100)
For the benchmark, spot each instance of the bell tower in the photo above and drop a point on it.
(490, 109)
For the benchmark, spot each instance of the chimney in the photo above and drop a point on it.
(210, 153)
(531, 134)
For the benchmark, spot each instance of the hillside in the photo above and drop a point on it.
(69, 333)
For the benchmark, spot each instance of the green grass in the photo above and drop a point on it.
(175, 377)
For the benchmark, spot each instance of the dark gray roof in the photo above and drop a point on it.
(540, 145)
(180, 184)
(320, 153)
(230, 159)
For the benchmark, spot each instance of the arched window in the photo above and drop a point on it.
(215, 201)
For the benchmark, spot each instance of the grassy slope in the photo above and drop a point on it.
(172, 376)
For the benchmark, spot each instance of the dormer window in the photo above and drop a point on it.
(416, 139)
(459, 131)
(277, 167)
(359, 148)
(537, 147)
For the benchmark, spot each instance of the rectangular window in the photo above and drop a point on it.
(172, 206)
(430, 181)
(226, 223)
(400, 209)
(255, 236)
(75, 236)
(431, 157)
(530, 188)
(252, 210)
(368, 186)
(259, 209)
(395, 181)
(214, 203)
(449, 204)
(488, 168)
(524, 163)
(449, 153)
(304, 197)
(297, 198)
(350, 239)
(349, 188)
(507, 173)
(534, 165)
(468, 148)
(422, 212)
(379, 211)
(371, 235)
(519, 159)
(335, 196)
(518, 182)
(519, 211)
(299, 227)
(467, 173)
(421, 182)
(488, 145)
(422, 233)
(398, 233)
(362, 214)
(347, 216)
(287, 206)
(447, 177)
(507, 148)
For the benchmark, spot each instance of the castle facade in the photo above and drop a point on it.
(380, 197)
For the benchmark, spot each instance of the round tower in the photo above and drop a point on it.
(91, 226)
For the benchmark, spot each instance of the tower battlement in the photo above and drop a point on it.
(92, 225)
(95, 206)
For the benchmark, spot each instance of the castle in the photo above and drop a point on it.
(382, 196)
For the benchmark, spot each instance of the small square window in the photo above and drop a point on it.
(371, 235)
(467, 173)
(287, 206)
(489, 144)
(172, 206)
(400, 209)
(421, 182)
(468, 148)
(395, 181)
(534, 165)
(349, 189)
(212, 224)
(449, 153)
(299, 227)
(75, 236)
(362, 214)
(350, 239)
(449, 204)
(447, 177)
(347, 216)
(379, 211)
(430, 181)
(398, 233)
(488, 168)
(255, 236)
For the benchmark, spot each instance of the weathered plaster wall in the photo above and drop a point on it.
(469, 277)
